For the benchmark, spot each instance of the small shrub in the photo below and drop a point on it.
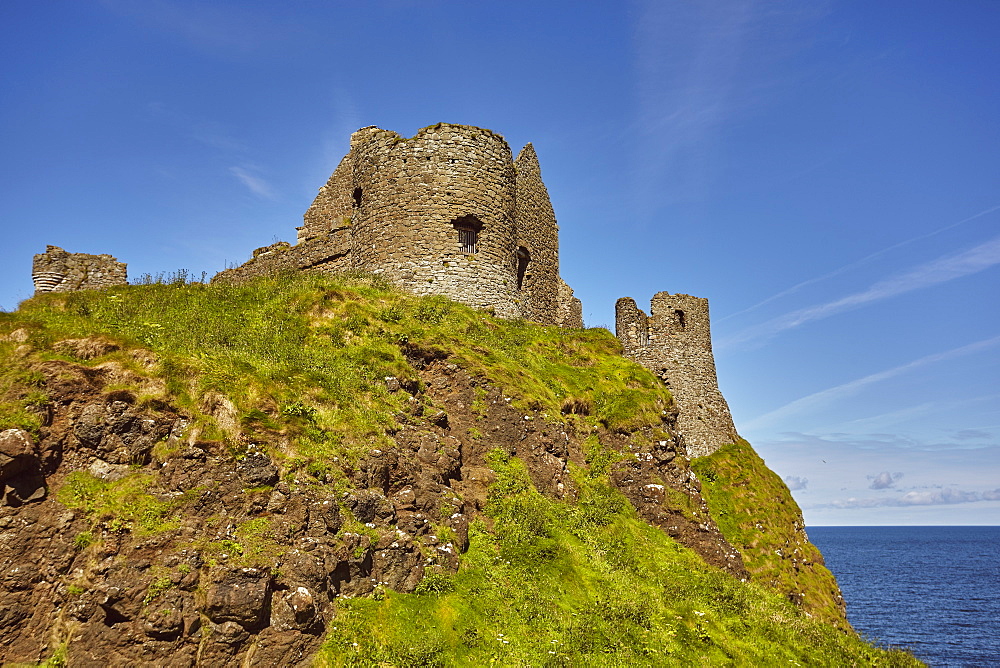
(435, 583)
(298, 409)
(83, 540)
(156, 588)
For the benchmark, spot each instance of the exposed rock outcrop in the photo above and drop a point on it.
(218, 552)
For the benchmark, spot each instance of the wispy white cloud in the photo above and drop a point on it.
(216, 136)
(973, 434)
(830, 395)
(858, 263)
(346, 118)
(932, 497)
(834, 465)
(940, 405)
(892, 417)
(207, 27)
(884, 480)
(204, 131)
(254, 184)
(935, 272)
(679, 114)
(796, 483)
(699, 67)
(847, 448)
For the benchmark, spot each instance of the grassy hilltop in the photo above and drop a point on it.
(478, 475)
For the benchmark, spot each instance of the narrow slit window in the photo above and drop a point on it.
(679, 319)
(356, 195)
(523, 259)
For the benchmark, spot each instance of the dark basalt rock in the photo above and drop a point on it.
(256, 469)
(238, 595)
(21, 478)
(185, 595)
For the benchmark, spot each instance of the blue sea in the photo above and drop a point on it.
(933, 590)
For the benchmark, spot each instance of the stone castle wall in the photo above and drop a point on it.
(57, 270)
(447, 211)
(416, 194)
(325, 253)
(332, 207)
(675, 343)
(537, 241)
(569, 309)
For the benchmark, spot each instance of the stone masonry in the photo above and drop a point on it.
(448, 212)
(675, 343)
(56, 270)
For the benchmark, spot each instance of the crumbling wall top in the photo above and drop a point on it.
(682, 319)
(57, 270)
(631, 325)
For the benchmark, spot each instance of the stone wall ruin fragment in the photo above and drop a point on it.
(675, 342)
(56, 270)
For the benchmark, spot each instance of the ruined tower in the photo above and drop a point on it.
(675, 342)
(537, 243)
(447, 211)
(435, 214)
(57, 270)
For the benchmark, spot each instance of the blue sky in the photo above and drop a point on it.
(826, 173)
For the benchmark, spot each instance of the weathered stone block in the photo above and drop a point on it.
(675, 343)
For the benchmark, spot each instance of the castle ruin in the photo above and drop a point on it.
(675, 342)
(448, 212)
(451, 212)
(56, 270)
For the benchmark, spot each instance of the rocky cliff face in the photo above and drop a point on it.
(131, 537)
(314, 469)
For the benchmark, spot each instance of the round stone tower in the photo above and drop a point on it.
(435, 213)
(447, 212)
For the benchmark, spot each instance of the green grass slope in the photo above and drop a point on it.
(318, 347)
(554, 584)
(758, 516)
(302, 362)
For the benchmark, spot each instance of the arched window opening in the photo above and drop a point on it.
(356, 196)
(468, 233)
(523, 258)
(679, 319)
